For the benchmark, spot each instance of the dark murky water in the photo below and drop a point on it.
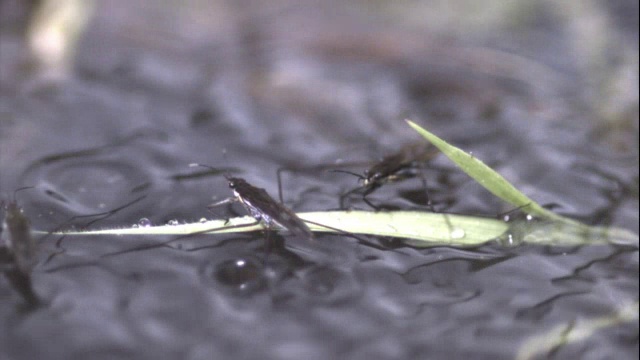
(143, 106)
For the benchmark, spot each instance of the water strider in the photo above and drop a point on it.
(403, 164)
(264, 208)
(16, 231)
(18, 251)
(261, 206)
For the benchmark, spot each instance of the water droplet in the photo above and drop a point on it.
(510, 240)
(173, 222)
(529, 217)
(203, 220)
(457, 234)
(135, 226)
(241, 276)
(144, 222)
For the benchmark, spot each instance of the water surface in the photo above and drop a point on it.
(140, 107)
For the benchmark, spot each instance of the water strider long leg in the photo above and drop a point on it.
(322, 167)
(344, 232)
(366, 192)
(279, 176)
(418, 171)
(347, 233)
(103, 215)
(345, 195)
(423, 179)
(229, 200)
(106, 214)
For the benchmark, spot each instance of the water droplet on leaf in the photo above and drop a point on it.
(457, 234)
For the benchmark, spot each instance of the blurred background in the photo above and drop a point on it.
(106, 101)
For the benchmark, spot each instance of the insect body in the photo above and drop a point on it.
(18, 237)
(400, 165)
(263, 207)
(17, 253)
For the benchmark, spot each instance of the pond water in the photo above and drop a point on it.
(252, 96)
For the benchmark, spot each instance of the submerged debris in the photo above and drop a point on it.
(17, 252)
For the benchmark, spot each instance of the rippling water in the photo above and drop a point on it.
(138, 113)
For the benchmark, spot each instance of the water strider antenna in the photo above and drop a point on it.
(359, 176)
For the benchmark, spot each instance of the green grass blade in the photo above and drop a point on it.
(422, 228)
(564, 230)
(543, 345)
(489, 178)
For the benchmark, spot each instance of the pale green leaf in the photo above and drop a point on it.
(541, 346)
(427, 228)
(488, 177)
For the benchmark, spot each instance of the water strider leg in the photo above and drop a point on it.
(423, 179)
(279, 176)
(229, 200)
(347, 233)
(366, 192)
(344, 196)
(102, 215)
(344, 232)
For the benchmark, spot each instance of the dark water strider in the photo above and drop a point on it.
(17, 252)
(148, 98)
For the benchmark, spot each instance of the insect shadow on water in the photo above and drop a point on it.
(406, 163)
(261, 206)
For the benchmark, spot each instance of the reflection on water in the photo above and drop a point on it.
(117, 139)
